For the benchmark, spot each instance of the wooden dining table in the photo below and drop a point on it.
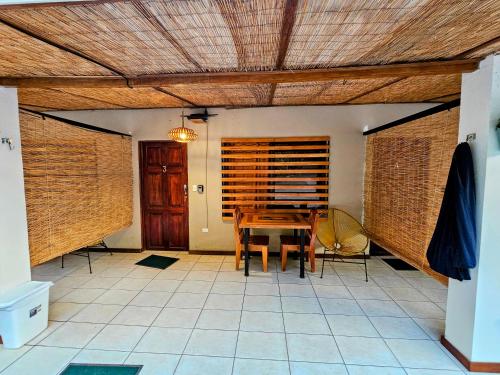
(265, 220)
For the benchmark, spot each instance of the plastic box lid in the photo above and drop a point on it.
(21, 292)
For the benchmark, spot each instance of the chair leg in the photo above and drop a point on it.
(284, 255)
(62, 261)
(312, 260)
(366, 271)
(264, 259)
(238, 257)
(88, 256)
(323, 265)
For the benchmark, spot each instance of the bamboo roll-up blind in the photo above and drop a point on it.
(78, 185)
(405, 176)
(279, 174)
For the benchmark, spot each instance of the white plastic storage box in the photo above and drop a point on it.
(24, 313)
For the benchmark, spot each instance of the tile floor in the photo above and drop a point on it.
(199, 316)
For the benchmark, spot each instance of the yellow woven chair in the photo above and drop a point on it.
(343, 236)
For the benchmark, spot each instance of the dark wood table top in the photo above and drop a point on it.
(274, 221)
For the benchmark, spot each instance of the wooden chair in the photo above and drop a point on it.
(255, 243)
(292, 243)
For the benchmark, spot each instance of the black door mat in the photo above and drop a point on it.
(399, 265)
(157, 261)
(86, 369)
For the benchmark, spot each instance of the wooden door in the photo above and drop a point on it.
(164, 195)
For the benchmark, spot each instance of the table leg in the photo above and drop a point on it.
(246, 235)
(302, 246)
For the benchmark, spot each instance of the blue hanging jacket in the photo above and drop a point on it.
(452, 250)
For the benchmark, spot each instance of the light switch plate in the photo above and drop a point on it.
(204, 230)
(195, 188)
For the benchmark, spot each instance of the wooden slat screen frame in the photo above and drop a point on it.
(286, 174)
(405, 175)
(78, 185)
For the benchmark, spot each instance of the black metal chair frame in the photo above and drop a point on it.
(344, 261)
(85, 253)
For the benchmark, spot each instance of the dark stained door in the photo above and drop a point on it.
(164, 197)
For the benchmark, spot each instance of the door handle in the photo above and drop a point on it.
(185, 191)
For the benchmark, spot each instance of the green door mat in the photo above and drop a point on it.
(157, 261)
(84, 369)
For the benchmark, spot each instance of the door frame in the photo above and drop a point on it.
(142, 199)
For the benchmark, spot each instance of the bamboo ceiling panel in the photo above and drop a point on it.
(128, 98)
(333, 33)
(78, 185)
(414, 89)
(365, 32)
(405, 175)
(223, 34)
(22, 55)
(279, 174)
(55, 99)
(439, 29)
(115, 33)
(223, 95)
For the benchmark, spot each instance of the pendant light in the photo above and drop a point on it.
(182, 134)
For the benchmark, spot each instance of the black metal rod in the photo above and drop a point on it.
(75, 123)
(246, 235)
(302, 248)
(416, 116)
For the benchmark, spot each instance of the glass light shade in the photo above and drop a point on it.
(182, 134)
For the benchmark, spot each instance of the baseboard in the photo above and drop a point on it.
(490, 367)
(271, 253)
(114, 250)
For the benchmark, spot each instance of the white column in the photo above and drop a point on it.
(473, 308)
(14, 250)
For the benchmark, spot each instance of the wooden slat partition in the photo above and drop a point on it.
(289, 174)
(78, 185)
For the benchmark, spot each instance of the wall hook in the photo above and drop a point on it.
(9, 142)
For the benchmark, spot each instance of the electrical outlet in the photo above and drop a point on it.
(195, 188)
(204, 230)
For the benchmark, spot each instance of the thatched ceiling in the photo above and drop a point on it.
(144, 38)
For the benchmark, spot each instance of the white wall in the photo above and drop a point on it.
(14, 253)
(344, 124)
(473, 318)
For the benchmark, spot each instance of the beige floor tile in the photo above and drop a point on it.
(255, 366)
(219, 319)
(351, 325)
(164, 340)
(8, 356)
(97, 313)
(262, 321)
(82, 295)
(152, 299)
(177, 318)
(137, 316)
(158, 285)
(191, 365)
(63, 311)
(381, 308)
(262, 303)
(322, 348)
(116, 337)
(117, 297)
(420, 354)
(192, 286)
(212, 343)
(187, 300)
(100, 356)
(398, 328)
(42, 361)
(228, 287)
(154, 364)
(365, 351)
(72, 335)
(260, 345)
(340, 306)
(128, 283)
(224, 302)
(304, 368)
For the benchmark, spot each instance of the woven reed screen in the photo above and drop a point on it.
(279, 174)
(406, 171)
(78, 185)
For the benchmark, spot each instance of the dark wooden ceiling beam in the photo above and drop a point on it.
(161, 89)
(87, 97)
(155, 22)
(379, 87)
(478, 48)
(258, 77)
(288, 22)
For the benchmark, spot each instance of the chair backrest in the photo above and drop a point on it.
(238, 232)
(342, 232)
